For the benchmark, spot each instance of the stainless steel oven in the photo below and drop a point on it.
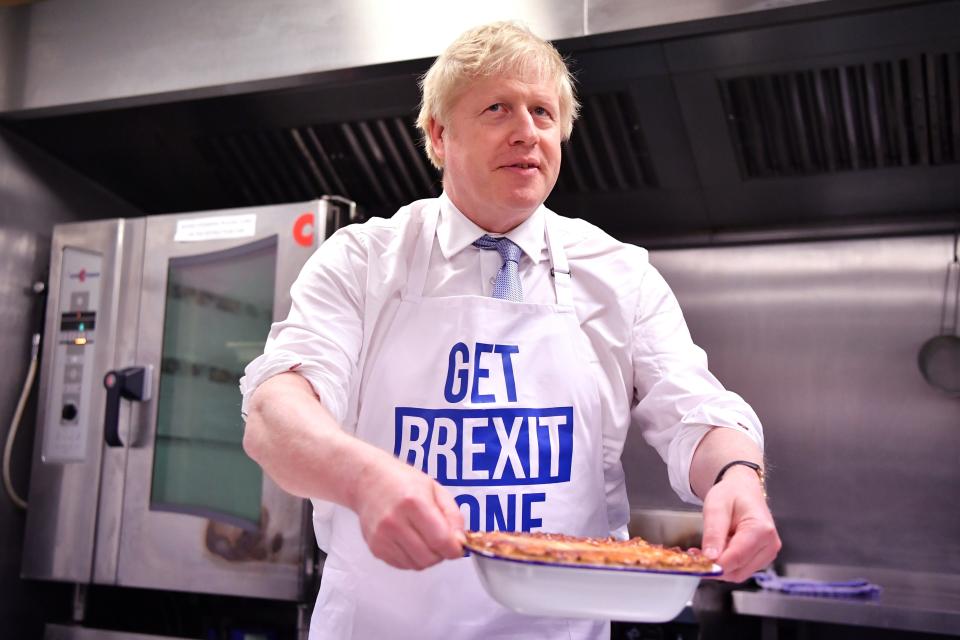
(139, 478)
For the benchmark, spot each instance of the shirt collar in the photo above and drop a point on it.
(456, 231)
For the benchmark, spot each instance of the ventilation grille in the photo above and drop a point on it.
(607, 151)
(376, 162)
(894, 113)
(380, 163)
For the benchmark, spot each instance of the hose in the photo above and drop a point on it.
(15, 423)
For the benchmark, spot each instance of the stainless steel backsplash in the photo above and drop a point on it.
(822, 339)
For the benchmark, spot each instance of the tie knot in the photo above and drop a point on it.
(508, 250)
(507, 284)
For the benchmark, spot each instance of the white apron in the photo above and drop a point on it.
(497, 400)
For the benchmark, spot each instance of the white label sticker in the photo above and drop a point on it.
(216, 228)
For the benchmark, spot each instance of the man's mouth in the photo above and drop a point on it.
(523, 165)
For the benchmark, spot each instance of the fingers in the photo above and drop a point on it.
(452, 514)
(394, 555)
(437, 524)
(754, 543)
(717, 512)
(412, 522)
(738, 529)
(397, 541)
(392, 541)
(423, 545)
(753, 546)
(739, 570)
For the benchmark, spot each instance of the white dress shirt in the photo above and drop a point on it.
(655, 376)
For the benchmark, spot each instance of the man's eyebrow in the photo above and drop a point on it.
(540, 99)
(550, 105)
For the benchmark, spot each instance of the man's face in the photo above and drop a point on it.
(501, 149)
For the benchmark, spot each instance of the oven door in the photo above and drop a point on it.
(199, 515)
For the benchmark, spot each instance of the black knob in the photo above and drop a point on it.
(69, 412)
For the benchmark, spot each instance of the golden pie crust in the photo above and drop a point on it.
(563, 549)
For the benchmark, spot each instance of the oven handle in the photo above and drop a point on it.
(131, 383)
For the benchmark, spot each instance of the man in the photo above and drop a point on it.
(425, 382)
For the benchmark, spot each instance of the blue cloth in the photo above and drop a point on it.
(507, 283)
(856, 588)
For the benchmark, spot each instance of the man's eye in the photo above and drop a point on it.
(542, 111)
(495, 107)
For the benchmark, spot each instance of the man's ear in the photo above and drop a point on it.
(436, 130)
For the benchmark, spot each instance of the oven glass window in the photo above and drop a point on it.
(219, 307)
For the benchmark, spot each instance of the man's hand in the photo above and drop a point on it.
(738, 529)
(408, 520)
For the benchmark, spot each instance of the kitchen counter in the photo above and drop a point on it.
(920, 602)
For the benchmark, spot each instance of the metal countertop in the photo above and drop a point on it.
(920, 602)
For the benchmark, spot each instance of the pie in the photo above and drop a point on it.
(563, 549)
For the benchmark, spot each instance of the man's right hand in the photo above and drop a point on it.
(408, 520)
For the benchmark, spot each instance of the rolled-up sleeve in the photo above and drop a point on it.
(321, 337)
(677, 399)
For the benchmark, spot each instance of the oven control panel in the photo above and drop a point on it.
(67, 425)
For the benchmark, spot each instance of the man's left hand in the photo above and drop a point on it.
(738, 529)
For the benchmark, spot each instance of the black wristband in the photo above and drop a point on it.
(746, 463)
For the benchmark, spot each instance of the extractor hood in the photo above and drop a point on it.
(820, 122)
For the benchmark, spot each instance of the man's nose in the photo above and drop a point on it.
(524, 130)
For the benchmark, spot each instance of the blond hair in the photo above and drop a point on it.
(489, 50)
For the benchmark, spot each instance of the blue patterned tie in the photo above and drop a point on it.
(507, 284)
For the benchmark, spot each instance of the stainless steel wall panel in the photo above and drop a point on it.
(36, 192)
(98, 50)
(932, 24)
(616, 15)
(822, 339)
(65, 54)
